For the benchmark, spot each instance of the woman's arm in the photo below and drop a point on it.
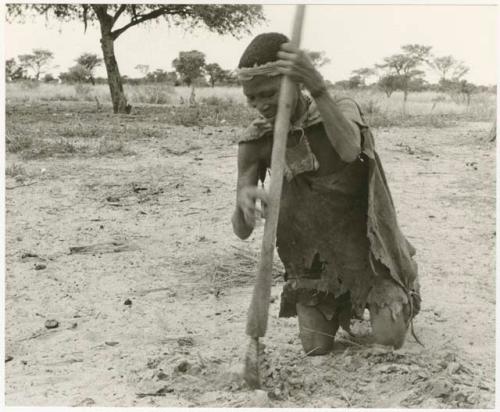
(343, 134)
(247, 192)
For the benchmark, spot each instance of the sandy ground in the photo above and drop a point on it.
(153, 311)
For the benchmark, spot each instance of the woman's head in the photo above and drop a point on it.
(262, 49)
(259, 75)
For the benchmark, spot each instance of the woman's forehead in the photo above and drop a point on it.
(258, 83)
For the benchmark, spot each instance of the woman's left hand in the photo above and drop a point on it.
(296, 63)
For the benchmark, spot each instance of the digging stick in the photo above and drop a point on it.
(259, 305)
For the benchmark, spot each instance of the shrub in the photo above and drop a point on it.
(83, 92)
(152, 94)
(108, 146)
(15, 170)
(18, 143)
(29, 85)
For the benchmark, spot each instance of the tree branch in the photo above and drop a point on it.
(122, 8)
(153, 15)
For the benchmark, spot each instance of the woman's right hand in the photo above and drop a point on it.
(247, 202)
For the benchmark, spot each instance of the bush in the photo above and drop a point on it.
(153, 94)
(221, 102)
(29, 84)
(18, 143)
(15, 170)
(83, 91)
(109, 146)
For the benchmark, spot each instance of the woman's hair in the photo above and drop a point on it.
(262, 49)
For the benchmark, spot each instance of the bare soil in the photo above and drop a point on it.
(132, 255)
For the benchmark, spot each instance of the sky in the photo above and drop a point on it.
(352, 36)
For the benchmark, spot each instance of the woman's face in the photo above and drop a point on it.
(262, 93)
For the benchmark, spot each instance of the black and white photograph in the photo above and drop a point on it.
(250, 205)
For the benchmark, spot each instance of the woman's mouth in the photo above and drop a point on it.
(268, 114)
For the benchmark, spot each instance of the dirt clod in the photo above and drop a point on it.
(440, 387)
(86, 402)
(27, 255)
(185, 341)
(40, 266)
(453, 368)
(234, 373)
(183, 366)
(258, 399)
(51, 324)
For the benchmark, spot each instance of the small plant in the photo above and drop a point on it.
(18, 143)
(83, 92)
(15, 170)
(29, 85)
(371, 107)
(108, 146)
(153, 95)
(60, 147)
(79, 130)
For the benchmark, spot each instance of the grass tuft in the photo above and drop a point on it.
(15, 170)
(18, 143)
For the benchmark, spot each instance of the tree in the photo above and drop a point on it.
(162, 76)
(48, 78)
(143, 69)
(364, 73)
(13, 71)
(443, 65)
(89, 61)
(318, 58)
(75, 74)
(355, 82)
(189, 65)
(38, 61)
(215, 73)
(459, 71)
(405, 65)
(222, 19)
(231, 78)
(389, 84)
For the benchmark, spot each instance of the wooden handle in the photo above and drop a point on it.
(259, 306)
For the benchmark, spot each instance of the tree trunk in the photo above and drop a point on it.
(114, 78)
(108, 50)
(192, 97)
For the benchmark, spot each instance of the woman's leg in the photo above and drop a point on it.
(389, 313)
(315, 331)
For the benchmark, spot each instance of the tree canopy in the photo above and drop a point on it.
(115, 19)
(189, 65)
(37, 61)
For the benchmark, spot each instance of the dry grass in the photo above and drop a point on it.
(15, 170)
(422, 109)
(45, 120)
(422, 104)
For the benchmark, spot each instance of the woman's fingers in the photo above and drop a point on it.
(289, 47)
(248, 203)
(288, 56)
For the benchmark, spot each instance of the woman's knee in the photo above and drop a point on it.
(389, 325)
(315, 331)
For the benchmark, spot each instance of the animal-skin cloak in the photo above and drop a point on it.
(337, 233)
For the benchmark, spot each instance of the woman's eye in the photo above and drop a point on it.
(268, 94)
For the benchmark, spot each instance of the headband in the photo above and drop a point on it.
(248, 73)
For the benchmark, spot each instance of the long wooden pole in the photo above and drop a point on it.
(259, 305)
